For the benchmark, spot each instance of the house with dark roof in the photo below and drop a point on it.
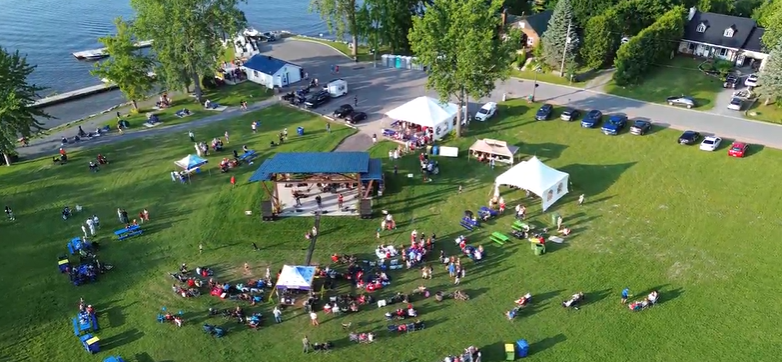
(718, 36)
(532, 26)
(272, 72)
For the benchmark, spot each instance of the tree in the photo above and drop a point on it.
(770, 17)
(601, 39)
(127, 68)
(458, 42)
(717, 6)
(340, 17)
(583, 10)
(17, 114)
(187, 36)
(557, 43)
(771, 76)
(387, 23)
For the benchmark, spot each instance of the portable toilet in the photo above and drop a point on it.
(510, 352)
(384, 60)
(522, 348)
(408, 62)
(91, 343)
(398, 62)
(114, 359)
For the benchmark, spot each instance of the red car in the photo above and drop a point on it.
(738, 149)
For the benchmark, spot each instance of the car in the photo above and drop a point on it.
(710, 143)
(544, 112)
(689, 138)
(355, 117)
(487, 111)
(343, 111)
(738, 149)
(570, 114)
(318, 99)
(751, 81)
(736, 104)
(681, 101)
(592, 119)
(640, 127)
(614, 125)
(731, 81)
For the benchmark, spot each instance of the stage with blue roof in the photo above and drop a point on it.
(272, 72)
(332, 183)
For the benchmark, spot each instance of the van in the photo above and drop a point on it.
(336, 88)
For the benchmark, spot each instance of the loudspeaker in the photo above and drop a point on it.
(365, 209)
(266, 211)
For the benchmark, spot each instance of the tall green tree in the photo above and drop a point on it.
(717, 6)
(601, 39)
(188, 37)
(771, 76)
(128, 68)
(769, 16)
(341, 18)
(558, 43)
(17, 96)
(458, 42)
(389, 22)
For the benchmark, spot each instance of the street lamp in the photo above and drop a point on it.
(535, 83)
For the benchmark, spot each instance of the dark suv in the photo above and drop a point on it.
(318, 99)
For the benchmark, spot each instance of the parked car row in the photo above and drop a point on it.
(349, 114)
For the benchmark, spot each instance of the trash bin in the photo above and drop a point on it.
(510, 352)
(429, 150)
(435, 150)
(522, 348)
(300, 131)
(554, 217)
(540, 249)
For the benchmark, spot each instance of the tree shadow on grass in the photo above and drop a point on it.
(119, 340)
(544, 151)
(145, 357)
(546, 343)
(602, 176)
(115, 315)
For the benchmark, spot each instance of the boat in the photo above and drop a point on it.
(97, 54)
(251, 33)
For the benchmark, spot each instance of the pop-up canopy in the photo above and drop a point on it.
(190, 162)
(533, 175)
(296, 277)
(427, 112)
(499, 149)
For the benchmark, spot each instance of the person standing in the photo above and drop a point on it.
(305, 343)
(95, 221)
(84, 230)
(254, 126)
(191, 135)
(328, 127)
(9, 213)
(200, 248)
(285, 133)
(559, 222)
(226, 137)
(625, 295)
(119, 215)
(581, 199)
(491, 162)
(314, 318)
(233, 181)
(340, 201)
(146, 214)
(91, 226)
(374, 138)
(355, 101)
(277, 314)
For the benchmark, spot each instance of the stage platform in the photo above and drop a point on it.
(309, 206)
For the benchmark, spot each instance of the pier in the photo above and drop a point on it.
(76, 94)
(95, 54)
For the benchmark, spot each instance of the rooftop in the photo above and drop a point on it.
(265, 64)
(312, 163)
(715, 25)
(375, 171)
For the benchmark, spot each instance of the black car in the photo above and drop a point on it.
(570, 114)
(355, 117)
(544, 112)
(343, 111)
(681, 101)
(318, 99)
(640, 127)
(689, 138)
(731, 81)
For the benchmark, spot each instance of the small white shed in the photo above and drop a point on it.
(272, 72)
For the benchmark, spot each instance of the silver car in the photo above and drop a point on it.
(681, 101)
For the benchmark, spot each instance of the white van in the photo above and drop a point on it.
(337, 88)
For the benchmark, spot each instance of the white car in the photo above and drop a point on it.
(751, 81)
(735, 104)
(487, 111)
(710, 143)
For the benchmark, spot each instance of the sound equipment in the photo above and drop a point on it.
(266, 211)
(365, 209)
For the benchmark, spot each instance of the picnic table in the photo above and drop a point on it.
(133, 230)
(248, 156)
(499, 238)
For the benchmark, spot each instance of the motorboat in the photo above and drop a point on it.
(251, 33)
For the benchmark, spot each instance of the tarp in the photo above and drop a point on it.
(533, 175)
(494, 147)
(296, 277)
(427, 112)
(190, 162)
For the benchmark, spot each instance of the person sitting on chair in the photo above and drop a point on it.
(102, 159)
(523, 301)
(511, 314)
(93, 167)
(574, 301)
(652, 298)
(66, 213)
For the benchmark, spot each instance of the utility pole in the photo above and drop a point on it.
(565, 50)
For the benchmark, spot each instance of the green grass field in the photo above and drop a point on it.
(698, 226)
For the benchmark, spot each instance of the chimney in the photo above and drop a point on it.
(504, 16)
(691, 15)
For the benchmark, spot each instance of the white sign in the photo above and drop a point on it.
(449, 151)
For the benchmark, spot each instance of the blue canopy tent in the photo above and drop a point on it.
(191, 162)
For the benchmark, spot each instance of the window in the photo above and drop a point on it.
(691, 46)
(701, 28)
(729, 32)
(255, 74)
(522, 25)
(530, 41)
(723, 52)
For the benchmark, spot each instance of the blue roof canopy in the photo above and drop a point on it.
(265, 64)
(375, 170)
(313, 162)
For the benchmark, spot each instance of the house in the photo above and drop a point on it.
(725, 37)
(272, 72)
(532, 26)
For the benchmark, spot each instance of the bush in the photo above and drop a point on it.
(521, 59)
(209, 83)
(723, 67)
(601, 39)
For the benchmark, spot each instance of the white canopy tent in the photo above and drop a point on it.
(427, 112)
(498, 150)
(533, 175)
(296, 277)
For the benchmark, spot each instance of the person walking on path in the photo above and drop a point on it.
(9, 213)
(191, 135)
(581, 199)
(340, 201)
(305, 344)
(314, 318)
(625, 295)
(277, 314)
(374, 138)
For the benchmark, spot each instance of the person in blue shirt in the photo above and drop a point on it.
(625, 295)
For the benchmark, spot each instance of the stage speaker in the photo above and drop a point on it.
(266, 211)
(365, 209)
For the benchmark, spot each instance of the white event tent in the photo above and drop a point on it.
(296, 277)
(427, 112)
(533, 175)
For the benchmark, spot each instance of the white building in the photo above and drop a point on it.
(272, 72)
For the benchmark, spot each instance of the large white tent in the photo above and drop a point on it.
(533, 175)
(296, 277)
(427, 112)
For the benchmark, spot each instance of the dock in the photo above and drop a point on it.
(95, 54)
(69, 96)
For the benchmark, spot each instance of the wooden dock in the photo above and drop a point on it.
(72, 95)
(95, 54)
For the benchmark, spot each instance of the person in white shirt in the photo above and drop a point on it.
(91, 226)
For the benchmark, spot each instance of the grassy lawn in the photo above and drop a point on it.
(547, 77)
(680, 76)
(364, 54)
(707, 243)
(771, 113)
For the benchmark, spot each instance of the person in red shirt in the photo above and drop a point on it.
(233, 181)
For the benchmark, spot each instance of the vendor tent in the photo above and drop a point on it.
(548, 183)
(495, 148)
(296, 277)
(190, 162)
(427, 112)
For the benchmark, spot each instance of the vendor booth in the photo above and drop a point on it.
(488, 149)
(296, 277)
(422, 117)
(533, 175)
(191, 162)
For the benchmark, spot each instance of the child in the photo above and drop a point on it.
(146, 215)
(141, 216)
(377, 232)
